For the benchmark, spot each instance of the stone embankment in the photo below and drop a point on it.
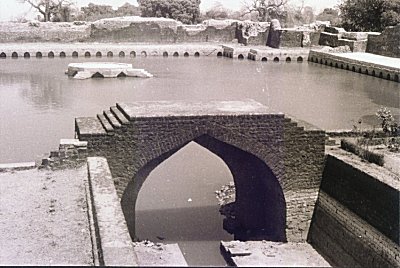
(365, 63)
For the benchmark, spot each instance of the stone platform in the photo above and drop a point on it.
(271, 254)
(104, 69)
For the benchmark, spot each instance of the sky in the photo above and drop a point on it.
(11, 9)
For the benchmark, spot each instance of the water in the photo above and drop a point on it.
(38, 104)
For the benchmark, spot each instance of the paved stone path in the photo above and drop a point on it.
(43, 218)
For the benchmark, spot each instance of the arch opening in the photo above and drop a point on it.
(75, 54)
(143, 54)
(240, 57)
(276, 59)
(165, 54)
(39, 54)
(176, 54)
(121, 74)
(288, 59)
(121, 54)
(14, 55)
(87, 54)
(27, 55)
(186, 54)
(97, 75)
(62, 54)
(98, 54)
(264, 59)
(321, 61)
(132, 54)
(396, 78)
(3, 55)
(259, 208)
(110, 54)
(388, 77)
(299, 59)
(197, 54)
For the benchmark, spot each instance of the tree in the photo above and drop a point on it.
(369, 15)
(95, 12)
(186, 11)
(128, 10)
(217, 11)
(266, 9)
(329, 14)
(49, 8)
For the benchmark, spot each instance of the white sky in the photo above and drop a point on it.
(10, 9)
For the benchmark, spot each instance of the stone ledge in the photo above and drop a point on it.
(115, 245)
(17, 166)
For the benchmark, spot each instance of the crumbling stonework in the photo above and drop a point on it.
(387, 43)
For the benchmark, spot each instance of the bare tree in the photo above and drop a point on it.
(266, 9)
(49, 8)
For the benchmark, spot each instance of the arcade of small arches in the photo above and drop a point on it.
(98, 54)
(359, 68)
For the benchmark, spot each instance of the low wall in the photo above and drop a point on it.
(114, 245)
(356, 220)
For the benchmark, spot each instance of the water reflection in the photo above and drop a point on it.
(327, 97)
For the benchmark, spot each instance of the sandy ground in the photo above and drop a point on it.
(43, 218)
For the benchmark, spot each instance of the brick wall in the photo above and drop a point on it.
(293, 155)
(387, 43)
(356, 219)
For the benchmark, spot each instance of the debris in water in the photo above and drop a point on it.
(190, 200)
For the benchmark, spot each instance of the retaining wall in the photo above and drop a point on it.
(387, 43)
(368, 68)
(356, 220)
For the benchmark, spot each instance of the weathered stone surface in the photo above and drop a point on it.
(105, 69)
(156, 254)
(272, 254)
(387, 43)
(115, 244)
(271, 145)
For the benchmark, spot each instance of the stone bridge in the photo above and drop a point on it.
(276, 164)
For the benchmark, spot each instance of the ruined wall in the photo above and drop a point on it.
(356, 221)
(144, 142)
(387, 43)
(336, 37)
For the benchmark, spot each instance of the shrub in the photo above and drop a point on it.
(371, 157)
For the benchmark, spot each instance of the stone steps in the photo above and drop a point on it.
(104, 122)
(119, 115)
(111, 119)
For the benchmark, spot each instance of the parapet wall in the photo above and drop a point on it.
(356, 220)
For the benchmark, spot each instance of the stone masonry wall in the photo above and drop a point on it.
(373, 201)
(356, 219)
(387, 43)
(294, 155)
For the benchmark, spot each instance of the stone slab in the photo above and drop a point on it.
(190, 108)
(115, 243)
(89, 126)
(17, 166)
(272, 254)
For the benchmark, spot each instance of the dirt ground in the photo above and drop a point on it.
(43, 218)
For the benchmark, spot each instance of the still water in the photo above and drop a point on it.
(38, 104)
